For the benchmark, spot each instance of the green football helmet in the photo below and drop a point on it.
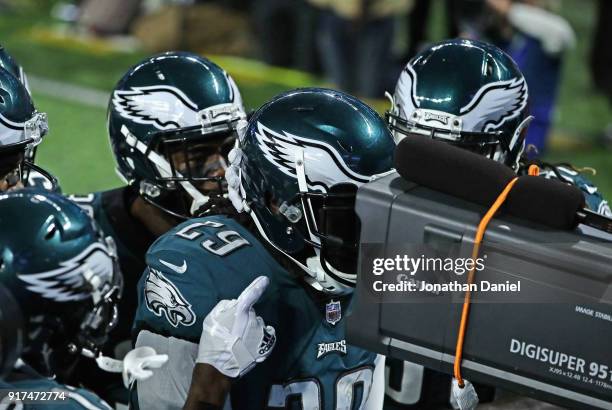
(467, 93)
(171, 120)
(63, 274)
(22, 128)
(296, 170)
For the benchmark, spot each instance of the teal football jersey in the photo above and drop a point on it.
(67, 398)
(204, 260)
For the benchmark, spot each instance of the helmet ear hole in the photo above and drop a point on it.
(489, 67)
(51, 232)
(3, 95)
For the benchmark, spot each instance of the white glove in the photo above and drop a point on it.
(137, 362)
(234, 339)
(135, 365)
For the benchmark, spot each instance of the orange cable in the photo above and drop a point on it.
(482, 227)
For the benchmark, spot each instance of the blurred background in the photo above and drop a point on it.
(75, 51)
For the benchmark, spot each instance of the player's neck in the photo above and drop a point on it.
(291, 267)
(154, 219)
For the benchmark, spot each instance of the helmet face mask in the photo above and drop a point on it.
(22, 129)
(171, 119)
(29, 132)
(104, 313)
(331, 227)
(466, 93)
(296, 170)
(187, 169)
(493, 145)
(191, 155)
(453, 136)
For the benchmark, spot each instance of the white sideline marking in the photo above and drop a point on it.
(70, 92)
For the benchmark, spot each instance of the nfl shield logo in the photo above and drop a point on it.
(333, 312)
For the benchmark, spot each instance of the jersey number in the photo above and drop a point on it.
(308, 391)
(226, 241)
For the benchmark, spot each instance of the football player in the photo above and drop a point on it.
(171, 121)
(62, 277)
(294, 175)
(470, 94)
(22, 128)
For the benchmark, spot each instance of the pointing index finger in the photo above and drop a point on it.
(252, 293)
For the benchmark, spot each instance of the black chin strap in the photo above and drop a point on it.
(164, 209)
(27, 166)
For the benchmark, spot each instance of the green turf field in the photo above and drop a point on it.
(77, 149)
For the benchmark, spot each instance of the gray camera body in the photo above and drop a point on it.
(558, 352)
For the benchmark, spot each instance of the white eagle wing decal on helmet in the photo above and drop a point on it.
(10, 132)
(494, 104)
(323, 165)
(405, 93)
(162, 106)
(164, 299)
(72, 280)
(235, 96)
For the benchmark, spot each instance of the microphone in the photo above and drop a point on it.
(478, 179)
